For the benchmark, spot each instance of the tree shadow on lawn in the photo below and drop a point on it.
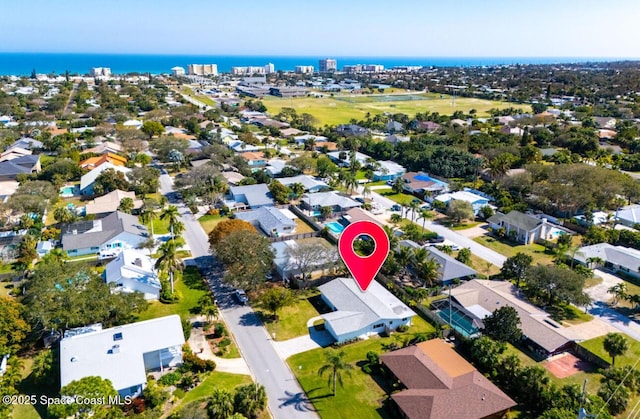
(318, 303)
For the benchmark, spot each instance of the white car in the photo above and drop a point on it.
(241, 296)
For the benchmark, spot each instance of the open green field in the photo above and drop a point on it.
(292, 320)
(536, 251)
(596, 346)
(342, 108)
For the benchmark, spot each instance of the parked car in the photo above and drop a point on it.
(359, 199)
(396, 207)
(241, 296)
(436, 239)
(416, 201)
(426, 206)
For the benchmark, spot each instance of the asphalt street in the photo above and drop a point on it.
(285, 396)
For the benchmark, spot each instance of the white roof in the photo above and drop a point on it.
(460, 196)
(132, 264)
(93, 354)
(388, 166)
(307, 181)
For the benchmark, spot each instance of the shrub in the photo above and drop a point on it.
(224, 343)
(192, 363)
(219, 330)
(169, 379)
(179, 393)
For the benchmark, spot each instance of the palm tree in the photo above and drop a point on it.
(619, 292)
(147, 216)
(297, 189)
(414, 206)
(396, 219)
(427, 268)
(335, 366)
(425, 214)
(403, 257)
(350, 181)
(391, 234)
(169, 260)
(366, 191)
(615, 344)
(172, 214)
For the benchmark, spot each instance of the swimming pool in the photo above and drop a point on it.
(68, 191)
(457, 319)
(426, 178)
(335, 227)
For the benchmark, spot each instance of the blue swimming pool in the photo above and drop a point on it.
(68, 191)
(335, 227)
(427, 178)
(456, 318)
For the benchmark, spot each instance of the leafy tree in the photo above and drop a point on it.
(144, 180)
(64, 215)
(152, 128)
(13, 327)
(110, 180)
(247, 257)
(279, 192)
(27, 250)
(9, 381)
(616, 345)
(486, 353)
(464, 256)
(326, 212)
(335, 365)
(166, 147)
(617, 396)
(503, 325)
(172, 214)
(398, 185)
(226, 227)
(275, 299)
(250, 400)
(460, 210)
(126, 205)
(308, 257)
(486, 212)
(45, 368)
(87, 387)
(551, 284)
(220, 404)
(33, 197)
(516, 266)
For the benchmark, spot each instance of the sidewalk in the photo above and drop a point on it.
(199, 345)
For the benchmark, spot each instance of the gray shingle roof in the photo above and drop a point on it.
(269, 218)
(617, 255)
(357, 309)
(252, 195)
(517, 219)
(97, 232)
(329, 199)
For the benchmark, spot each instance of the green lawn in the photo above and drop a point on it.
(160, 226)
(464, 225)
(566, 313)
(400, 198)
(293, 319)
(595, 346)
(208, 222)
(361, 396)
(216, 379)
(190, 286)
(536, 251)
(342, 108)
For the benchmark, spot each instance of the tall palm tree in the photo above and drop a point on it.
(427, 267)
(335, 366)
(366, 191)
(391, 234)
(414, 206)
(403, 257)
(148, 215)
(350, 181)
(169, 261)
(425, 214)
(171, 214)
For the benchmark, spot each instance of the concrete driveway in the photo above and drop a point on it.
(599, 292)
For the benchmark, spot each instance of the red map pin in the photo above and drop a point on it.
(363, 268)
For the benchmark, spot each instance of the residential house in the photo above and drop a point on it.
(424, 126)
(44, 247)
(290, 132)
(106, 237)
(123, 354)
(93, 162)
(477, 299)
(133, 123)
(388, 170)
(351, 130)
(88, 179)
(357, 214)
(271, 220)
(106, 147)
(512, 131)
(274, 167)
(525, 228)
(232, 178)
(133, 271)
(440, 384)
(253, 196)
(27, 144)
(14, 153)
(255, 160)
(615, 258)
(343, 158)
(357, 314)
(396, 139)
(393, 126)
(449, 269)
(110, 202)
(338, 203)
(628, 215)
(605, 122)
(301, 140)
(476, 201)
(24, 165)
(310, 184)
(423, 184)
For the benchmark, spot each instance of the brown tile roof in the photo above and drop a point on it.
(93, 162)
(441, 384)
(250, 155)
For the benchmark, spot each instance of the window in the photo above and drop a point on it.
(117, 336)
(375, 326)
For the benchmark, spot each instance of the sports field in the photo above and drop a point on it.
(341, 109)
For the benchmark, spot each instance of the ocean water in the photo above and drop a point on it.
(25, 63)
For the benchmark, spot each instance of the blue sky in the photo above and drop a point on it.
(464, 28)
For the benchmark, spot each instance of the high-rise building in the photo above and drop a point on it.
(202, 69)
(177, 71)
(269, 68)
(248, 71)
(100, 72)
(327, 65)
(356, 68)
(376, 68)
(304, 69)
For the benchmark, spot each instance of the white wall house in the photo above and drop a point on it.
(132, 271)
(360, 314)
(106, 237)
(123, 354)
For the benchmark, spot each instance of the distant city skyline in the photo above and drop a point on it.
(411, 28)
